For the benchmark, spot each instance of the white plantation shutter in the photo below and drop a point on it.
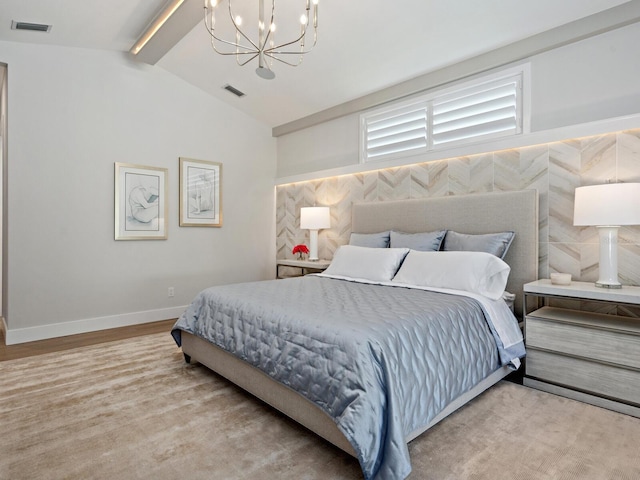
(470, 113)
(396, 132)
(491, 109)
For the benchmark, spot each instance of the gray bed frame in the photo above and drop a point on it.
(480, 213)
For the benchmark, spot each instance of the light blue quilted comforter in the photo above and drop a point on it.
(381, 360)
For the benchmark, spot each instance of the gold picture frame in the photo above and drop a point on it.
(141, 202)
(200, 193)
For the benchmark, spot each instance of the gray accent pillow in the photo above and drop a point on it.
(495, 243)
(426, 241)
(372, 240)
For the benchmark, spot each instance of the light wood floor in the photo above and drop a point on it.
(12, 352)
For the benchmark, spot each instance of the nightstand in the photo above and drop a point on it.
(305, 266)
(587, 356)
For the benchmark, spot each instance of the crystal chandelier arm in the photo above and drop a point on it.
(253, 53)
(266, 38)
(284, 61)
(260, 48)
(242, 64)
(274, 50)
(213, 45)
(237, 55)
(235, 25)
(211, 31)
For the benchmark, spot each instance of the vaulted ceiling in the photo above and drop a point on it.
(363, 46)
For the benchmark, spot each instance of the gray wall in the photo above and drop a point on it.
(587, 81)
(73, 113)
(580, 88)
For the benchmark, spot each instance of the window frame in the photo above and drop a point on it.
(519, 74)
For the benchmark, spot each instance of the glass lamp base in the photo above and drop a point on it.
(608, 285)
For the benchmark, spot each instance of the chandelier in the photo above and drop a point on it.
(263, 44)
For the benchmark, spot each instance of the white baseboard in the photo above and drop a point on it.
(43, 332)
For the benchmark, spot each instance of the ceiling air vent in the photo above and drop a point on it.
(233, 90)
(33, 27)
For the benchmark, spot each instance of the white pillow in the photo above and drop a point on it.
(477, 272)
(373, 264)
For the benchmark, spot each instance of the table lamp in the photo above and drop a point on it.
(608, 207)
(314, 219)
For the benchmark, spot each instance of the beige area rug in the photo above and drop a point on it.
(134, 409)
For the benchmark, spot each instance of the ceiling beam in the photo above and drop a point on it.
(175, 21)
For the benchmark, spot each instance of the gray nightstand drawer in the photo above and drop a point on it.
(611, 346)
(584, 355)
(605, 380)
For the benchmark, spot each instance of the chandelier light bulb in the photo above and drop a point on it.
(255, 41)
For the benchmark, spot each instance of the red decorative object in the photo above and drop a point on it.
(300, 250)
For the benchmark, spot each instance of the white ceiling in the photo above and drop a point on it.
(363, 45)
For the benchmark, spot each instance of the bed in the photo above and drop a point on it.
(350, 387)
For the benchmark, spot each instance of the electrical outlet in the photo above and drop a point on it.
(171, 292)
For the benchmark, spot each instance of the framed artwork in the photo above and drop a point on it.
(141, 207)
(200, 193)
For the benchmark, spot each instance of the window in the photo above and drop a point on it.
(396, 131)
(479, 110)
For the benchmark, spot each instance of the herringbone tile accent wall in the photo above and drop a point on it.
(554, 169)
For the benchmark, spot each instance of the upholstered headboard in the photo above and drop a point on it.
(479, 213)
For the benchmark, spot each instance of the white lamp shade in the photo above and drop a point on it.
(612, 204)
(314, 218)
